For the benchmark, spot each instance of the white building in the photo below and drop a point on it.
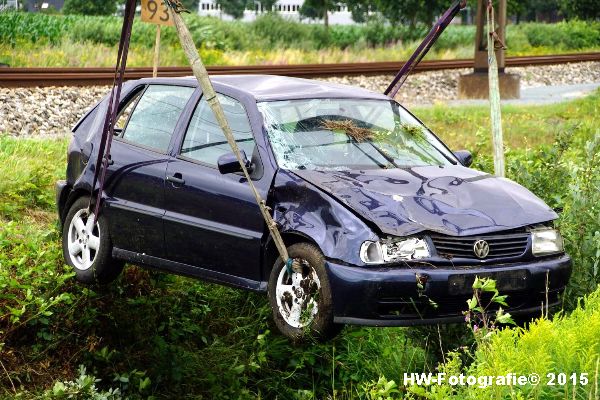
(9, 5)
(286, 8)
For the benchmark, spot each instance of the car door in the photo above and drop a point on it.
(135, 179)
(212, 220)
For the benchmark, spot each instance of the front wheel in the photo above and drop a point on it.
(87, 246)
(301, 298)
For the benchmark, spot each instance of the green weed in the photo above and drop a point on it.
(568, 344)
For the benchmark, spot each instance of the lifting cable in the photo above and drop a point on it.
(424, 47)
(103, 159)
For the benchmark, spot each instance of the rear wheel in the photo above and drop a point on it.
(301, 298)
(87, 246)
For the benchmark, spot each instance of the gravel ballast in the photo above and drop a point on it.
(52, 111)
(442, 86)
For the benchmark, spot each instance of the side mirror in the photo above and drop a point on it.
(464, 157)
(228, 163)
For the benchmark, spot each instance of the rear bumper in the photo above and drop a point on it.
(390, 296)
(61, 193)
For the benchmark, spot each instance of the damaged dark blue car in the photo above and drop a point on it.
(391, 227)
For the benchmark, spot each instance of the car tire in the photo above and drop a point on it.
(88, 249)
(312, 315)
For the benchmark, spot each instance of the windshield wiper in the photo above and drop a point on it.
(388, 158)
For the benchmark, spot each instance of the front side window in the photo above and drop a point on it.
(349, 134)
(205, 141)
(154, 118)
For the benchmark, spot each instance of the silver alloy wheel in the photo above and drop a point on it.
(297, 295)
(83, 240)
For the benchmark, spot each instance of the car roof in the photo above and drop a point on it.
(273, 88)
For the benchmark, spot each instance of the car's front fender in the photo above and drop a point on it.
(302, 208)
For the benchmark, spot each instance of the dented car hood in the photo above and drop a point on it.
(451, 200)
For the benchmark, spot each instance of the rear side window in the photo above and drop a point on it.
(153, 121)
(125, 113)
(204, 140)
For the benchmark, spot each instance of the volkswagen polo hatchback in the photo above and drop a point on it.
(390, 227)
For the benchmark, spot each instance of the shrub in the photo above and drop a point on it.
(571, 35)
(90, 7)
(84, 387)
(568, 344)
(271, 31)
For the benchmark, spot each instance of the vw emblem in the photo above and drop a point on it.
(481, 248)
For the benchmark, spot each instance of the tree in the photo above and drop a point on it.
(191, 5)
(533, 10)
(90, 7)
(582, 9)
(360, 9)
(235, 8)
(516, 8)
(317, 9)
(409, 12)
(412, 12)
(267, 5)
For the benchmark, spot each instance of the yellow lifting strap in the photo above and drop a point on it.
(496, 114)
(175, 8)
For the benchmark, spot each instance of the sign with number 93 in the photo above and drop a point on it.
(155, 12)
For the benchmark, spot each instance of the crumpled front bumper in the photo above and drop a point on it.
(391, 296)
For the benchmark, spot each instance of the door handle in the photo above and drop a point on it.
(177, 178)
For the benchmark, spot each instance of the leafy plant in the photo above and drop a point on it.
(485, 297)
(566, 344)
(380, 390)
(84, 388)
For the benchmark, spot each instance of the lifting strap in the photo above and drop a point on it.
(424, 47)
(175, 8)
(493, 43)
(103, 158)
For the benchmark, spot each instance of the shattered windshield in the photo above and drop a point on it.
(349, 134)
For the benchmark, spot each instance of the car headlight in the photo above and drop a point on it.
(388, 251)
(546, 241)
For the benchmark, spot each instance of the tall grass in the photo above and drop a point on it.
(150, 333)
(262, 41)
(563, 352)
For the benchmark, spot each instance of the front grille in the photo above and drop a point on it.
(500, 245)
(452, 306)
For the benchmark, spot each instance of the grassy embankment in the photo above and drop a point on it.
(34, 40)
(156, 334)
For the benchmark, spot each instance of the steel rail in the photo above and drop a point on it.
(27, 77)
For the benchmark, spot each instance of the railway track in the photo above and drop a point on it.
(27, 77)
